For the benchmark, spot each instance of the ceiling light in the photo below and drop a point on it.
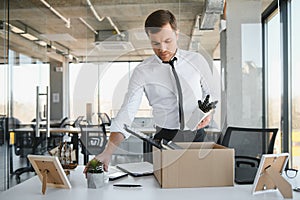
(42, 43)
(29, 36)
(53, 47)
(16, 29)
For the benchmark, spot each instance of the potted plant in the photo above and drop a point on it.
(95, 174)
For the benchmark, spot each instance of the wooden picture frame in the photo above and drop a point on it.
(49, 171)
(269, 175)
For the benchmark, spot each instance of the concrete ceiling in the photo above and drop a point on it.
(78, 40)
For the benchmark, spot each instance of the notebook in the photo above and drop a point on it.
(136, 169)
(197, 116)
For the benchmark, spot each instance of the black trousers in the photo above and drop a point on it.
(175, 136)
(179, 135)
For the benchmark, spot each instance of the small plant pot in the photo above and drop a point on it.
(95, 180)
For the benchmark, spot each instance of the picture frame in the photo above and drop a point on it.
(50, 172)
(269, 175)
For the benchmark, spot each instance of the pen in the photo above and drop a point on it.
(127, 185)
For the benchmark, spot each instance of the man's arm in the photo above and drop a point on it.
(114, 141)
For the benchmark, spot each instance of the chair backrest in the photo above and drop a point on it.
(24, 143)
(11, 122)
(78, 121)
(252, 142)
(93, 139)
(249, 144)
(104, 118)
(60, 124)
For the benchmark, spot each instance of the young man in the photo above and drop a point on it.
(156, 77)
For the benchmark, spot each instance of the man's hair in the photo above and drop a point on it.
(158, 19)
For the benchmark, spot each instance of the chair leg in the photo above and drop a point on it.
(85, 159)
(22, 170)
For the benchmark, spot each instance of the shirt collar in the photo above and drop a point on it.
(177, 55)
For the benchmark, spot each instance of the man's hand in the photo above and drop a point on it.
(206, 106)
(205, 122)
(104, 158)
(115, 139)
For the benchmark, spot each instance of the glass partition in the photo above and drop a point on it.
(98, 85)
(282, 68)
(21, 72)
(273, 76)
(295, 82)
(3, 97)
(26, 76)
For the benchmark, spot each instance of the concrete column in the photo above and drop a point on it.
(241, 44)
(56, 90)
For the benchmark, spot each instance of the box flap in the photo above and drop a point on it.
(196, 145)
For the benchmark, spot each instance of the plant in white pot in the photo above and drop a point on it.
(95, 174)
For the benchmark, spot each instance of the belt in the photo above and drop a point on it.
(179, 135)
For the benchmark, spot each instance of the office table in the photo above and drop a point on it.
(31, 189)
(75, 132)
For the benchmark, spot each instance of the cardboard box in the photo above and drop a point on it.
(203, 164)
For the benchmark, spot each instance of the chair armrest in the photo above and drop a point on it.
(247, 160)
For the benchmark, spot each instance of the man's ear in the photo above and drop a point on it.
(177, 34)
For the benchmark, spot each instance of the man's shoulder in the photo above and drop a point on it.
(148, 62)
(187, 53)
(150, 59)
(193, 55)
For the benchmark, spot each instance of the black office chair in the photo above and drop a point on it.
(27, 143)
(93, 138)
(249, 145)
(104, 119)
(74, 124)
(57, 138)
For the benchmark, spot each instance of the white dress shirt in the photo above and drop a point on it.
(157, 81)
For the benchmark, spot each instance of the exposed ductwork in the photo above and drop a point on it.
(110, 40)
(211, 14)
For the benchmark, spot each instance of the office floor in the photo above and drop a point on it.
(21, 162)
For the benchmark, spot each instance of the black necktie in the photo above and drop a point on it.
(181, 115)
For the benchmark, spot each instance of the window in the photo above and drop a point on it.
(102, 85)
(273, 76)
(27, 75)
(295, 81)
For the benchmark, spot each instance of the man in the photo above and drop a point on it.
(155, 77)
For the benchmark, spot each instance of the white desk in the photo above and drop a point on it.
(31, 190)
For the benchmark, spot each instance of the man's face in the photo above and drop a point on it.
(164, 42)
